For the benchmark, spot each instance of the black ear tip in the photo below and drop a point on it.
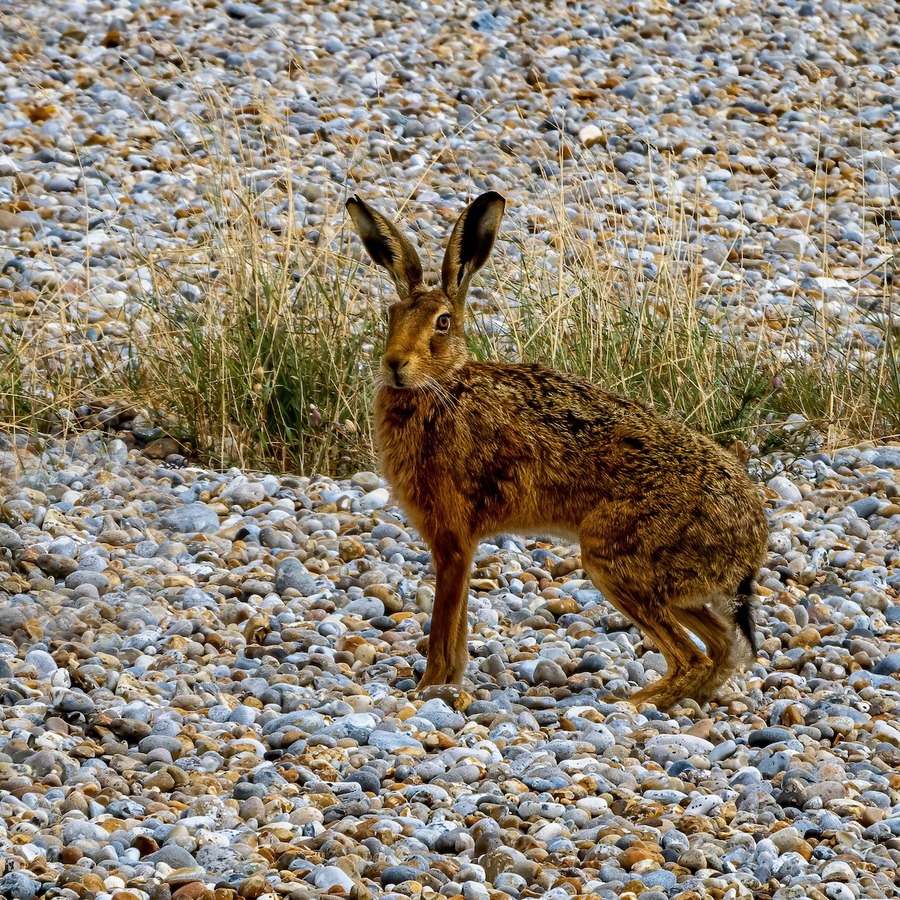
(491, 197)
(353, 200)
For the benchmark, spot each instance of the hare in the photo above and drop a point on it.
(671, 529)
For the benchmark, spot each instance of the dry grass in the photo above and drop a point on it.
(635, 328)
(47, 379)
(654, 332)
(262, 371)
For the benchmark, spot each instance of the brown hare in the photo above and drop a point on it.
(671, 529)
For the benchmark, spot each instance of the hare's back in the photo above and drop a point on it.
(567, 412)
(566, 431)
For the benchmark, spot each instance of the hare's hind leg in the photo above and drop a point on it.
(689, 670)
(448, 650)
(717, 636)
(631, 580)
(691, 673)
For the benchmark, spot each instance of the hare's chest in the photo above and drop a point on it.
(417, 456)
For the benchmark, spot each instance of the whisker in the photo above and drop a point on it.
(445, 400)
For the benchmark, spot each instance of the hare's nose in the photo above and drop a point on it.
(395, 366)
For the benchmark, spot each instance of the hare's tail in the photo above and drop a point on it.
(745, 610)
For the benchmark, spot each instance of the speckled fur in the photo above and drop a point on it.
(671, 529)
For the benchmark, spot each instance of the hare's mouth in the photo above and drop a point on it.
(397, 380)
(403, 381)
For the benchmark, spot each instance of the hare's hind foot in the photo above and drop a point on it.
(690, 673)
(700, 685)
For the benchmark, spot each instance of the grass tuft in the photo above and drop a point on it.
(270, 367)
(253, 341)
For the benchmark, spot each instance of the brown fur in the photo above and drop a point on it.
(670, 526)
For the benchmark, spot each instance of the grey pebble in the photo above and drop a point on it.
(365, 607)
(9, 538)
(60, 184)
(72, 702)
(161, 742)
(42, 661)
(723, 751)
(391, 742)
(866, 507)
(192, 518)
(291, 573)
(12, 619)
(888, 458)
(368, 779)
(86, 577)
(376, 499)
(763, 737)
(543, 671)
(217, 860)
(305, 719)
(398, 874)
(441, 715)
(174, 856)
(889, 665)
(19, 886)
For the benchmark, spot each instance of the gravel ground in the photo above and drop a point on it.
(206, 676)
(205, 683)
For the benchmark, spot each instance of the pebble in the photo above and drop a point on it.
(292, 574)
(172, 855)
(441, 715)
(766, 736)
(866, 507)
(888, 665)
(42, 661)
(394, 875)
(787, 490)
(723, 751)
(192, 518)
(19, 886)
(376, 499)
(331, 880)
(543, 671)
(208, 676)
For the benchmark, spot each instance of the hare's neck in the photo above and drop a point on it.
(399, 409)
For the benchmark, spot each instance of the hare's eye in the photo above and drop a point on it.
(443, 322)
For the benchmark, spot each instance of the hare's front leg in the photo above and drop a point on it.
(448, 650)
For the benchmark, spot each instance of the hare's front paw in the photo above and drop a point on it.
(439, 673)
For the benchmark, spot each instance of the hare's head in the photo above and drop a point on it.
(426, 341)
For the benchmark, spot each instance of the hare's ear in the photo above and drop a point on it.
(386, 246)
(470, 244)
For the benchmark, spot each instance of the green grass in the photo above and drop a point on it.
(271, 368)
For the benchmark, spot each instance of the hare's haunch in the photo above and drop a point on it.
(671, 529)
